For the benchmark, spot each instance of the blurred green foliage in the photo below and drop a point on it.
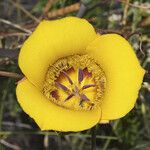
(129, 133)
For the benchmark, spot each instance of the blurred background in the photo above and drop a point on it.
(18, 18)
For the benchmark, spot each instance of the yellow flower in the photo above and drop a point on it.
(76, 78)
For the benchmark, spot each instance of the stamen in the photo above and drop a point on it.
(69, 97)
(81, 102)
(88, 86)
(84, 97)
(80, 75)
(63, 87)
(69, 79)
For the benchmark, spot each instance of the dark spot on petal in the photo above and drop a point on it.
(55, 95)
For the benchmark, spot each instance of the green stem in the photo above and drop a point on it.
(1, 112)
(54, 134)
(109, 140)
(59, 140)
(93, 139)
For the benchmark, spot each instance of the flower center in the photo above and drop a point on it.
(75, 82)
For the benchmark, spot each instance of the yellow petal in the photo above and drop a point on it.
(50, 116)
(50, 41)
(123, 73)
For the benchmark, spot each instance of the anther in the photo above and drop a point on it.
(88, 86)
(63, 87)
(84, 97)
(69, 97)
(80, 75)
(67, 76)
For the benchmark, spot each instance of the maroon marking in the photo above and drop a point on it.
(86, 73)
(54, 94)
(80, 75)
(88, 86)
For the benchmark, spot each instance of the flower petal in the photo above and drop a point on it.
(123, 74)
(50, 116)
(50, 41)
